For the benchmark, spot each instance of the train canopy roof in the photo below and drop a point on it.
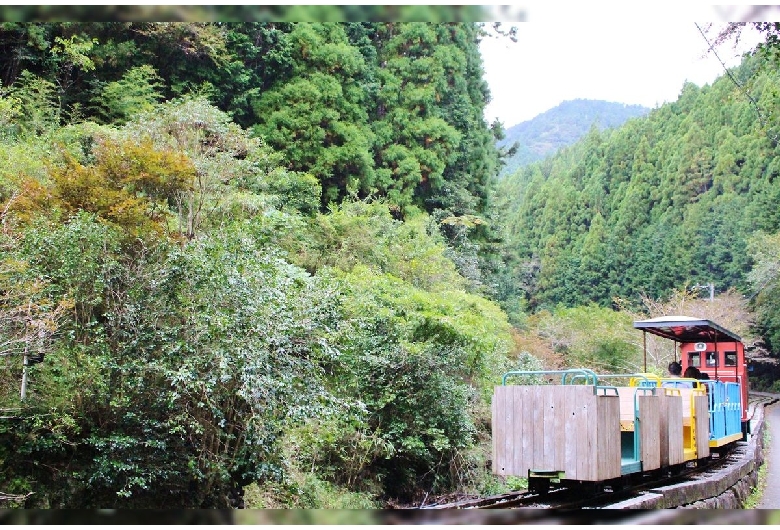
(686, 329)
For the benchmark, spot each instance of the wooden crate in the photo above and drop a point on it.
(556, 428)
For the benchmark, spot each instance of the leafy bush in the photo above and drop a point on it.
(306, 491)
(593, 337)
(236, 176)
(39, 104)
(177, 374)
(137, 91)
(422, 364)
(368, 233)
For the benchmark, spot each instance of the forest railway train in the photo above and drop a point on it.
(586, 431)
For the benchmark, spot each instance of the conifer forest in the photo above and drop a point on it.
(277, 264)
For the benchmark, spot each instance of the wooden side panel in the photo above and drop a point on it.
(539, 429)
(526, 401)
(548, 421)
(556, 428)
(571, 432)
(585, 429)
(608, 437)
(674, 428)
(517, 429)
(559, 441)
(545, 426)
(494, 439)
(520, 429)
(597, 436)
(499, 426)
(663, 429)
(685, 394)
(650, 426)
(626, 394)
(702, 426)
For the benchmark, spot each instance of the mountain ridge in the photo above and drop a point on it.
(560, 126)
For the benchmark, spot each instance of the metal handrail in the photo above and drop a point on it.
(632, 376)
(589, 375)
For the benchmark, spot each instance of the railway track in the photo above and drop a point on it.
(565, 498)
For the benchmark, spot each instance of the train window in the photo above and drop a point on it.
(694, 359)
(731, 358)
(711, 359)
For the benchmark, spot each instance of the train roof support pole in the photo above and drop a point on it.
(717, 357)
(644, 348)
(676, 349)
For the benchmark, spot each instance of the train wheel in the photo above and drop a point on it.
(589, 489)
(616, 485)
(539, 485)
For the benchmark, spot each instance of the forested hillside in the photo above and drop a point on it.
(242, 263)
(680, 198)
(560, 126)
(270, 264)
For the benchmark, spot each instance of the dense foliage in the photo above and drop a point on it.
(368, 109)
(265, 265)
(223, 243)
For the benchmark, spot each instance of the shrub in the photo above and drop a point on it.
(421, 363)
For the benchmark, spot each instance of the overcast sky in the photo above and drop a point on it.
(630, 56)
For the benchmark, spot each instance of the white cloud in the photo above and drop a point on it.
(623, 59)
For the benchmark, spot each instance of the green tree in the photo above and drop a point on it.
(318, 116)
(224, 156)
(136, 92)
(38, 102)
(465, 95)
(414, 142)
(763, 278)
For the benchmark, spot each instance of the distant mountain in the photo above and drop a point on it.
(562, 126)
